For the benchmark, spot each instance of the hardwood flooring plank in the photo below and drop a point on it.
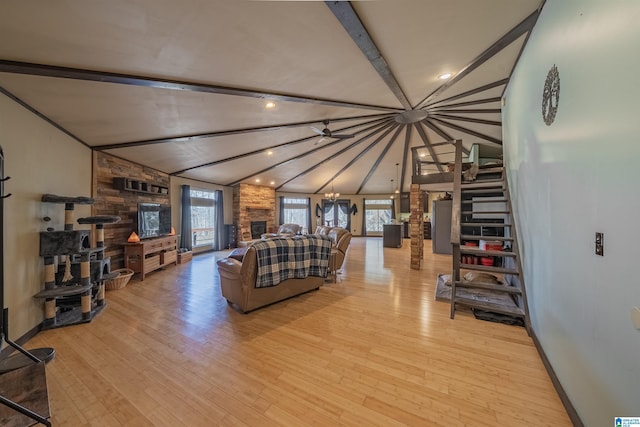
(373, 349)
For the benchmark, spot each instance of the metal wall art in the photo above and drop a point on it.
(551, 96)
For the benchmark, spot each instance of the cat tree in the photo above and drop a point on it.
(74, 292)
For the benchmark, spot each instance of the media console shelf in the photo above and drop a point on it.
(151, 254)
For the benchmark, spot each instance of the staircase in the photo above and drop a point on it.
(484, 245)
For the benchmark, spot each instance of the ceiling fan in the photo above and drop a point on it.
(326, 133)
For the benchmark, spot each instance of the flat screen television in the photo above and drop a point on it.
(154, 220)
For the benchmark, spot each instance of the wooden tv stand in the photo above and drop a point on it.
(151, 254)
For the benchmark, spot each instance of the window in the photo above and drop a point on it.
(336, 214)
(295, 211)
(376, 213)
(203, 217)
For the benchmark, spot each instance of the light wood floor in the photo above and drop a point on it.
(374, 349)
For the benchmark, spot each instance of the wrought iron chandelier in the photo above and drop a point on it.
(333, 196)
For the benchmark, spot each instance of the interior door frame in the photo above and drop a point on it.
(337, 203)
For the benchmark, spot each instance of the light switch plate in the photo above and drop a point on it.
(635, 317)
(599, 244)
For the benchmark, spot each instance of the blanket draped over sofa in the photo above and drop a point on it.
(295, 257)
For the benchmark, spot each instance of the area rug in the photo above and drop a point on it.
(443, 293)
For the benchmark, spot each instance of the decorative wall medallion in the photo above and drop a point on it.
(551, 96)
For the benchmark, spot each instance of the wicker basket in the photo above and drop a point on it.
(120, 281)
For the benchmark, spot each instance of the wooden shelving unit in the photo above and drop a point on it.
(137, 186)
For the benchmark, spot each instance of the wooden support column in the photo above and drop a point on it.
(416, 226)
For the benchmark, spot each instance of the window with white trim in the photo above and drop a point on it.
(296, 211)
(203, 217)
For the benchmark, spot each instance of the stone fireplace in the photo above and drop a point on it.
(254, 203)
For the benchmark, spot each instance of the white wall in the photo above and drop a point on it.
(39, 159)
(574, 178)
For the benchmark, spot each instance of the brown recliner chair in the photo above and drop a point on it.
(285, 230)
(340, 240)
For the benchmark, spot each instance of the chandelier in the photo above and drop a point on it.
(333, 196)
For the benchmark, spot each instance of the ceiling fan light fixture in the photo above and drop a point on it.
(326, 133)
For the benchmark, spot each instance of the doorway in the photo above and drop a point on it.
(336, 214)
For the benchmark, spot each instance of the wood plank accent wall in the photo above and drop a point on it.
(111, 201)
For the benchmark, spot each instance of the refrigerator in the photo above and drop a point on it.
(441, 227)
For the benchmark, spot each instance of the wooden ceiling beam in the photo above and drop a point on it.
(385, 150)
(467, 131)
(479, 89)
(334, 155)
(405, 155)
(523, 27)
(466, 103)
(466, 119)
(448, 138)
(373, 123)
(42, 116)
(32, 69)
(427, 143)
(359, 155)
(468, 111)
(189, 138)
(343, 10)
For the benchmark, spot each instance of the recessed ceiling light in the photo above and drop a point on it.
(269, 153)
(257, 179)
(270, 104)
(444, 76)
(423, 154)
(272, 183)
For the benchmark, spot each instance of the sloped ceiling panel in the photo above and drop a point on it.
(198, 75)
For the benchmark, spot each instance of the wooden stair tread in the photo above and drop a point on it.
(495, 169)
(483, 190)
(471, 250)
(487, 306)
(484, 224)
(489, 286)
(478, 200)
(476, 238)
(484, 212)
(489, 268)
(487, 183)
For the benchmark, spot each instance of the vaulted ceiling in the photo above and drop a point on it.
(183, 86)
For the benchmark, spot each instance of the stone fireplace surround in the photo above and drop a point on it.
(258, 228)
(253, 203)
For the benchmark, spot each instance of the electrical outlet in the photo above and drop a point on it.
(600, 244)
